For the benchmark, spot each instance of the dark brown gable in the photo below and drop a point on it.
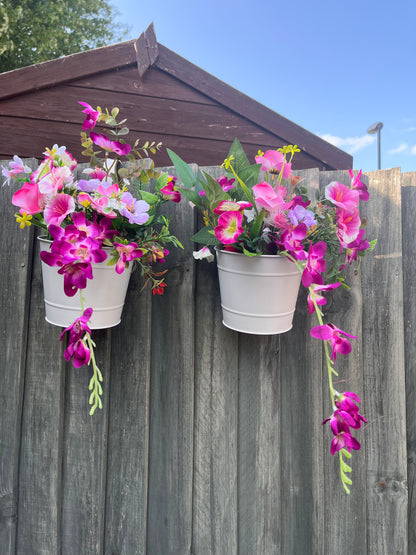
(165, 98)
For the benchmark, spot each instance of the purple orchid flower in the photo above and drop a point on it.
(91, 116)
(127, 253)
(315, 265)
(329, 332)
(110, 146)
(291, 241)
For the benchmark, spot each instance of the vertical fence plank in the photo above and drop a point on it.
(345, 515)
(128, 435)
(301, 415)
(408, 182)
(172, 398)
(259, 484)
(216, 419)
(41, 441)
(16, 264)
(384, 369)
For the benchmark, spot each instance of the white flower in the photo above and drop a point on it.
(203, 253)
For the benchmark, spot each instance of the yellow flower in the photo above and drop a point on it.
(23, 220)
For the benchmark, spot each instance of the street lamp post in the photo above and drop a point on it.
(372, 130)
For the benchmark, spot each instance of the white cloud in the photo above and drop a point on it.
(401, 148)
(413, 150)
(350, 144)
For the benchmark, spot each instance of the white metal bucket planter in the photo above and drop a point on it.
(258, 294)
(105, 294)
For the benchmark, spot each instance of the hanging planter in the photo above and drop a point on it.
(258, 294)
(105, 294)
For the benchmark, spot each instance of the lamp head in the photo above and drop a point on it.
(375, 128)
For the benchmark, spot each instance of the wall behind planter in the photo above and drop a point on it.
(210, 441)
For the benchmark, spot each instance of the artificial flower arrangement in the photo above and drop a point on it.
(246, 214)
(82, 217)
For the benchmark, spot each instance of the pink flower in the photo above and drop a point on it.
(229, 227)
(359, 186)
(226, 184)
(291, 241)
(170, 191)
(231, 206)
(110, 146)
(29, 198)
(315, 265)
(266, 197)
(272, 161)
(329, 332)
(55, 180)
(91, 116)
(313, 295)
(348, 226)
(58, 208)
(15, 167)
(127, 253)
(342, 196)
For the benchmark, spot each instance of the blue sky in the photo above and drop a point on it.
(332, 67)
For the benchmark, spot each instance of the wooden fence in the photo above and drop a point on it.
(210, 441)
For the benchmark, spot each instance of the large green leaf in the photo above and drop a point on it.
(240, 159)
(214, 191)
(205, 236)
(186, 175)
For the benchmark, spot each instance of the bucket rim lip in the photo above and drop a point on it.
(251, 257)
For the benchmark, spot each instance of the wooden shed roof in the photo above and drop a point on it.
(38, 106)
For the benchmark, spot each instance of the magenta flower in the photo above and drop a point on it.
(272, 161)
(344, 440)
(340, 421)
(359, 186)
(91, 116)
(170, 191)
(58, 208)
(29, 198)
(342, 196)
(319, 299)
(229, 227)
(315, 265)
(352, 249)
(226, 184)
(348, 226)
(134, 210)
(127, 253)
(291, 241)
(78, 328)
(329, 332)
(346, 401)
(110, 146)
(266, 197)
(78, 352)
(75, 276)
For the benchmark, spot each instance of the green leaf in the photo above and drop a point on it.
(123, 131)
(114, 112)
(213, 190)
(249, 254)
(150, 198)
(193, 196)
(256, 225)
(186, 175)
(240, 159)
(162, 180)
(206, 236)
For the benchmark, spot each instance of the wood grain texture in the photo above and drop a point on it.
(16, 262)
(300, 429)
(41, 436)
(215, 503)
(408, 184)
(169, 528)
(128, 432)
(383, 356)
